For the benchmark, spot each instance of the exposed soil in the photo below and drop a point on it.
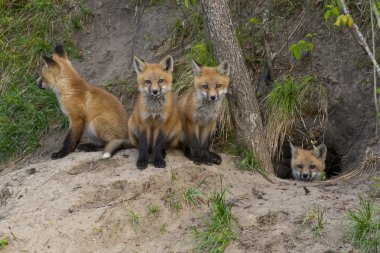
(83, 204)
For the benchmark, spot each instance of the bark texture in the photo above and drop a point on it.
(243, 104)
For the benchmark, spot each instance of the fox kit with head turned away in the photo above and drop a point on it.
(154, 124)
(92, 112)
(308, 165)
(199, 109)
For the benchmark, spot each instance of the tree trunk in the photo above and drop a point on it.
(243, 104)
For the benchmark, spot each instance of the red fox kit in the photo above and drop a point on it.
(199, 109)
(307, 165)
(91, 110)
(154, 124)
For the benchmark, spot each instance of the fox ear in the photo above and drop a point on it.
(320, 152)
(224, 68)
(60, 51)
(49, 61)
(293, 149)
(196, 68)
(167, 64)
(140, 65)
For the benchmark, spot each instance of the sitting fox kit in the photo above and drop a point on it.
(307, 165)
(154, 124)
(91, 111)
(199, 109)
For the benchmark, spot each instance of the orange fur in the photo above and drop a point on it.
(155, 117)
(199, 109)
(91, 111)
(308, 165)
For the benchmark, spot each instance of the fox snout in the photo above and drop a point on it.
(155, 92)
(306, 176)
(40, 83)
(213, 97)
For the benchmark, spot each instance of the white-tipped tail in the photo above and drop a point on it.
(106, 155)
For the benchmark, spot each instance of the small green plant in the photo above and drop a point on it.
(202, 53)
(193, 196)
(332, 9)
(4, 242)
(174, 174)
(248, 160)
(134, 218)
(188, 3)
(163, 227)
(300, 47)
(153, 209)
(363, 229)
(315, 218)
(219, 231)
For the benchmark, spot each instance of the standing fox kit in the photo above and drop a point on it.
(154, 124)
(199, 109)
(91, 110)
(307, 165)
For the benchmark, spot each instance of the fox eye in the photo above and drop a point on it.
(299, 166)
(312, 166)
(218, 85)
(205, 86)
(148, 82)
(161, 81)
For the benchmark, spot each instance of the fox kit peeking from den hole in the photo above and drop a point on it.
(154, 124)
(308, 165)
(199, 109)
(92, 112)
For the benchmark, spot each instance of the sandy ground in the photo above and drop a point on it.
(82, 204)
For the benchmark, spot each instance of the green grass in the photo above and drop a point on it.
(134, 217)
(363, 229)
(153, 209)
(28, 30)
(219, 230)
(4, 242)
(247, 160)
(288, 101)
(193, 196)
(315, 219)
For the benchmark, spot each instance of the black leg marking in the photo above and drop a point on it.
(89, 147)
(69, 144)
(142, 161)
(216, 159)
(195, 154)
(158, 160)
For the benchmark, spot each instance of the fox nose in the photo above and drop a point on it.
(305, 175)
(212, 97)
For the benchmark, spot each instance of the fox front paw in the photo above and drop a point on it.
(141, 164)
(58, 155)
(207, 160)
(216, 159)
(159, 163)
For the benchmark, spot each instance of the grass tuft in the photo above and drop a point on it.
(134, 217)
(4, 242)
(315, 219)
(28, 30)
(363, 229)
(248, 160)
(290, 100)
(153, 209)
(219, 230)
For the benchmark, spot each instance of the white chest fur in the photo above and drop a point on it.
(207, 111)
